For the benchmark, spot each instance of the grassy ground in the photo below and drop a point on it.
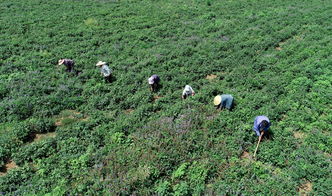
(274, 57)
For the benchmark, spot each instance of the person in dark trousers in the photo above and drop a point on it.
(223, 101)
(105, 71)
(68, 63)
(154, 82)
(261, 126)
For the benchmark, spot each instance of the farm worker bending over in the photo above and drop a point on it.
(261, 125)
(223, 101)
(68, 63)
(154, 82)
(188, 91)
(105, 71)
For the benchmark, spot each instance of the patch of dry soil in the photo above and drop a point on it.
(305, 189)
(9, 165)
(211, 77)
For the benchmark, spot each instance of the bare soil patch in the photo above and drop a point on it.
(305, 189)
(69, 116)
(41, 136)
(278, 48)
(156, 97)
(245, 155)
(58, 123)
(299, 135)
(9, 165)
(128, 111)
(211, 77)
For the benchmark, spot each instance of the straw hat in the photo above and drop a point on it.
(100, 63)
(217, 100)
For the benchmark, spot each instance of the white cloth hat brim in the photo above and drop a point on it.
(151, 81)
(60, 62)
(100, 63)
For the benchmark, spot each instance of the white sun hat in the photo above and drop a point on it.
(151, 81)
(100, 63)
(60, 62)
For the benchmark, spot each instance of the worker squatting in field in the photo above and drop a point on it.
(105, 71)
(188, 91)
(154, 82)
(223, 101)
(261, 125)
(68, 63)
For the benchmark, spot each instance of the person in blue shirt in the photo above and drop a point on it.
(261, 125)
(223, 101)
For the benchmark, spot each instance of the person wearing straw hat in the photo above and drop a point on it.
(223, 101)
(188, 91)
(105, 71)
(68, 63)
(261, 125)
(154, 82)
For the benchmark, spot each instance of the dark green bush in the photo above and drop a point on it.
(22, 132)
(41, 125)
(14, 179)
(35, 151)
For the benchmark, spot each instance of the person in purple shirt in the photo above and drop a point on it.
(261, 125)
(68, 63)
(154, 82)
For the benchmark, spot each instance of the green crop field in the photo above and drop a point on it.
(73, 134)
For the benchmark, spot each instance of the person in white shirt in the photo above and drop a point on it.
(188, 91)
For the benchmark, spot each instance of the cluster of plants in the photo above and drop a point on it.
(121, 139)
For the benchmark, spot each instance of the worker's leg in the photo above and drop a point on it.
(155, 87)
(107, 79)
(70, 68)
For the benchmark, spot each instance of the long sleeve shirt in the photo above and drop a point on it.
(187, 91)
(105, 70)
(154, 79)
(227, 101)
(69, 64)
(257, 124)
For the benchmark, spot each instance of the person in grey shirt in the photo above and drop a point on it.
(105, 71)
(223, 101)
(188, 91)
